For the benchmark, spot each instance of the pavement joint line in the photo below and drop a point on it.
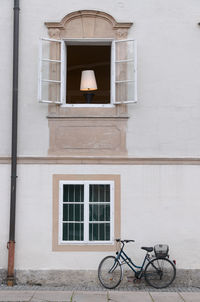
(72, 296)
(32, 296)
(181, 297)
(151, 297)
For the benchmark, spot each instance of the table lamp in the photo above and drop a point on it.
(88, 83)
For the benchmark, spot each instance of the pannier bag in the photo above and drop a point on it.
(161, 250)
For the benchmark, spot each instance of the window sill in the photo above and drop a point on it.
(87, 110)
(84, 247)
(95, 117)
(82, 243)
(88, 105)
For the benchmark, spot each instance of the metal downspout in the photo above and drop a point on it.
(11, 243)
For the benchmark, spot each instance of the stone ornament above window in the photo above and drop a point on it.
(88, 24)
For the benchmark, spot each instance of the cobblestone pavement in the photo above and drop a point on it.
(64, 294)
(96, 288)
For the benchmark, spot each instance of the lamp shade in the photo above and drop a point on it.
(88, 80)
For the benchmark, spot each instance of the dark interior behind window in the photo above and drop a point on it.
(84, 57)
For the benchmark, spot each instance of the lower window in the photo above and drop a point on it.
(86, 211)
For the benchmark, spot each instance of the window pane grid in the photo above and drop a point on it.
(125, 50)
(50, 81)
(124, 81)
(125, 72)
(99, 193)
(50, 71)
(73, 212)
(93, 199)
(121, 61)
(73, 231)
(50, 90)
(49, 60)
(99, 232)
(73, 202)
(72, 221)
(99, 222)
(96, 203)
(73, 193)
(99, 212)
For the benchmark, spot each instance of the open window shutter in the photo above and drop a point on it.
(125, 71)
(51, 71)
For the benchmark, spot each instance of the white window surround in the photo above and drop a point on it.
(93, 42)
(86, 184)
(114, 82)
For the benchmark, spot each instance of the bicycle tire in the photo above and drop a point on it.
(110, 272)
(160, 272)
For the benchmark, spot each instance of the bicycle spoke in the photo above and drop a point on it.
(110, 272)
(160, 272)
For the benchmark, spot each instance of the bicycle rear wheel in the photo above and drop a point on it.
(110, 272)
(160, 272)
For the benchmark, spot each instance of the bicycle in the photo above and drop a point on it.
(159, 271)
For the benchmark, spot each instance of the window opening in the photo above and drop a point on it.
(86, 211)
(114, 64)
(88, 57)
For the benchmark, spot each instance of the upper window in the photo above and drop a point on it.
(87, 72)
(95, 57)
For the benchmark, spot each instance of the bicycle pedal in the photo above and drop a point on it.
(135, 280)
(130, 278)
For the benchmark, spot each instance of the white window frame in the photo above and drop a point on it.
(91, 41)
(134, 80)
(86, 222)
(63, 75)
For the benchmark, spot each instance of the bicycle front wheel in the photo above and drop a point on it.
(160, 272)
(110, 272)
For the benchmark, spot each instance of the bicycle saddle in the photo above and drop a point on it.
(148, 249)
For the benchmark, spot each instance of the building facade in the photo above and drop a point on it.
(122, 165)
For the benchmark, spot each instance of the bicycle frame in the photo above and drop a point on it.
(122, 255)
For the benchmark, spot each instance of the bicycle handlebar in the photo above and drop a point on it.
(124, 241)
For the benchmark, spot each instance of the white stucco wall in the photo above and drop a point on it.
(159, 204)
(166, 119)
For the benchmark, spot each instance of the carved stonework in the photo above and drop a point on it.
(54, 33)
(89, 24)
(121, 34)
(85, 136)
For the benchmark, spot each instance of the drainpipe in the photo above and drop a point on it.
(11, 243)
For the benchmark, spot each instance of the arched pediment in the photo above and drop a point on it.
(88, 24)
